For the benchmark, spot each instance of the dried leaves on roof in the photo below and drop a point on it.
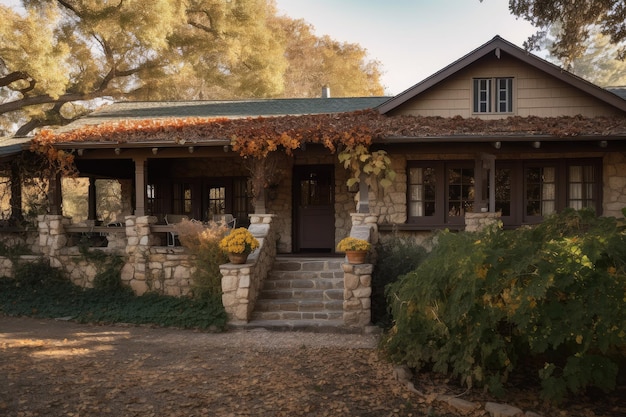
(333, 128)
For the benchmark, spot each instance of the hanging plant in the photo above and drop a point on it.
(375, 165)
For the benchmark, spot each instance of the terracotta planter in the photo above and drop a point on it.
(238, 258)
(356, 256)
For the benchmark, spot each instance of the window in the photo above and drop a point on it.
(217, 201)
(540, 186)
(181, 201)
(422, 189)
(583, 186)
(441, 192)
(493, 95)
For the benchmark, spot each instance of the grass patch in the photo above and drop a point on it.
(42, 292)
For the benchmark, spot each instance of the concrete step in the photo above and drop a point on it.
(283, 283)
(301, 294)
(302, 305)
(311, 326)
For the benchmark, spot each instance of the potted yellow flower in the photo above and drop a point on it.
(355, 249)
(238, 245)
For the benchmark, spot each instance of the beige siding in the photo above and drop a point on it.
(535, 94)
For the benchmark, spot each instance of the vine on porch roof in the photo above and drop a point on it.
(255, 139)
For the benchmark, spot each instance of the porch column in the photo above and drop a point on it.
(16, 193)
(54, 194)
(91, 214)
(140, 185)
(363, 205)
(489, 165)
(484, 183)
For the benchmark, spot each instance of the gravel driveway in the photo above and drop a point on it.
(59, 368)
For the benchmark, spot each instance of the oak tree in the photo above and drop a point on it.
(575, 20)
(60, 58)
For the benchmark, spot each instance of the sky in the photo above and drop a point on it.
(412, 39)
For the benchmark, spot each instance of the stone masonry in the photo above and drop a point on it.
(241, 284)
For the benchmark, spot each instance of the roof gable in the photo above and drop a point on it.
(496, 46)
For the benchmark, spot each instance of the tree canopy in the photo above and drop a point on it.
(599, 63)
(60, 57)
(574, 20)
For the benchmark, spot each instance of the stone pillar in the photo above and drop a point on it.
(241, 284)
(138, 243)
(362, 222)
(52, 236)
(357, 291)
(236, 292)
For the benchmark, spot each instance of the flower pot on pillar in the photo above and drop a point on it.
(356, 256)
(238, 258)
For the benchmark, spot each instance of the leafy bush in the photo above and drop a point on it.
(109, 268)
(203, 242)
(396, 256)
(41, 291)
(550, 299)
(36, 274)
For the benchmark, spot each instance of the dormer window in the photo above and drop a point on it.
(493, 95)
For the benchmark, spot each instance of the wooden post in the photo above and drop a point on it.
(140, 185)
(16, 194)
(91, 201)
(55, 196)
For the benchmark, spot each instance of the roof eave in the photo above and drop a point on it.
(486, 138)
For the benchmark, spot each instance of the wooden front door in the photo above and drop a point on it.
(314, 208)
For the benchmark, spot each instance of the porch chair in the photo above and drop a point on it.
(227, 219)
(171, 219)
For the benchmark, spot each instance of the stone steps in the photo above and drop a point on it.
(301, 294)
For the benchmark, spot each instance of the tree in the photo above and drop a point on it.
(314, 62)
(575, 20)
(598, 63)
(61, 57)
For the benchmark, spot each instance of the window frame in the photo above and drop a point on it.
(518, 189)
(441, 217)
(492, 90)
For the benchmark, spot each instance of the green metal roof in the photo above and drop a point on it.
(223, 108)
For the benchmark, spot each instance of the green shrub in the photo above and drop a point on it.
(41, 291)
(37, 274)
(108, 268)
(551, 299)
(396, 256)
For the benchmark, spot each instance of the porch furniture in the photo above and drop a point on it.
(227, 219)
(172, 219)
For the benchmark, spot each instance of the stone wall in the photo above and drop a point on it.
(357, 304)
(614, 184)
(357, 278)
(241, 284)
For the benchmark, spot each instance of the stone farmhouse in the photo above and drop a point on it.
(498, 135)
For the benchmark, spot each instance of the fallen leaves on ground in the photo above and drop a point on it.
(52, 368)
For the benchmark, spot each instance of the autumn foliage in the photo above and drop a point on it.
(260, 136)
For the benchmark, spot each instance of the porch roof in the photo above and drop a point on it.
(13, 146)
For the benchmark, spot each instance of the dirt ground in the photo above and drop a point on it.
(60, 368)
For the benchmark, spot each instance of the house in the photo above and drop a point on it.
(500, 134)
(499, 130)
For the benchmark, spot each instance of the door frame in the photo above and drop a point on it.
(298, 172)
